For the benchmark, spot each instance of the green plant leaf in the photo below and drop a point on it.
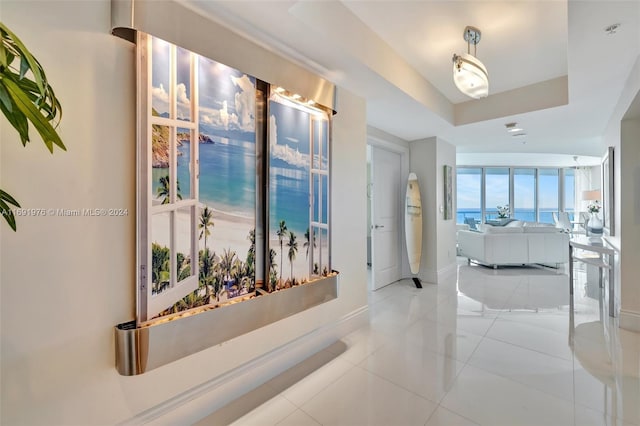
(6, 211)
(5, 98)
(3, 56)
(24, 53)
(47, 132)
(17, 120)
(47, 103)
(8, 198)
(24, 67)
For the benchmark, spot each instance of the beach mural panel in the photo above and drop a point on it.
(202, 235)
(202, 224)
(298, 193)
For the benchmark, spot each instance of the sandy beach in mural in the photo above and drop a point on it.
(230, 231)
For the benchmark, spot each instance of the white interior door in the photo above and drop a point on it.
(385, 235)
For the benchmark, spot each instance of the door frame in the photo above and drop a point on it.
(402, 148)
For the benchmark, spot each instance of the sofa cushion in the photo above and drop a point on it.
(537, 225)
(541, 230)
(514, 223)
(488, 229)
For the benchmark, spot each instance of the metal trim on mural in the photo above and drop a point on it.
(140, 349)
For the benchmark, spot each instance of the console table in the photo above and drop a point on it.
(597, 249)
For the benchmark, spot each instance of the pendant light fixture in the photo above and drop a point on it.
(469, 74)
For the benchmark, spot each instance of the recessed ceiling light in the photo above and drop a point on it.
(513, 127)
(517, 135)
(611, 29)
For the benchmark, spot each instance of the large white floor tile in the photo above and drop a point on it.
(298, 418)
(587, 417)
(447, 340)
(464, 314)
(360, 344)
(532, 336)
(362, 398)
(543, 372)
(269, 413)
(414, 368)
(306, 379)
(489, 399)
(444, 417)
(610, 396)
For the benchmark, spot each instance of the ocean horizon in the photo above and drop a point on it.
(228, 182)
(528, 215)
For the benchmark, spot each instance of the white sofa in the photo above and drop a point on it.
(517, 243)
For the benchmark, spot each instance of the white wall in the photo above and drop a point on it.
(626, 211)
(427, 158)
(446, 229)
(630, 220)
(66, 282)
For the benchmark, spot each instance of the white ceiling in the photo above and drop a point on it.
(552, 68)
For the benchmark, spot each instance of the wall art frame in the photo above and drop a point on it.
(608, 196)
(448, 192)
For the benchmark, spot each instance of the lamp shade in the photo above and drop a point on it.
(592, 194)
(470, 76)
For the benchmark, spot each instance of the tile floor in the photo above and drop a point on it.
(483, 348)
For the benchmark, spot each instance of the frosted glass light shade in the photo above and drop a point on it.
(470, 76)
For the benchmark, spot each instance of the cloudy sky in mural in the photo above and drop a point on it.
(227, 96)
(290, 142)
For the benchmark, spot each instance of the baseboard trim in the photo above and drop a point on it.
(630, 320)
(198, 402)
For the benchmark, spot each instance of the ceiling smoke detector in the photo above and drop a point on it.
(611, 29)
(513, 127)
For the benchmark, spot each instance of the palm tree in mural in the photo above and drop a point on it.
(164, 190)
(293, 250)
(282, 232)
(273, 270)
(237, 272)
(207, 269)
(307, 241)
(206, 222)
(184, 266)
(160, 265)
(251, 254)
(227, 265)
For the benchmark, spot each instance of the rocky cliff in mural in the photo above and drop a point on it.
(160, 144)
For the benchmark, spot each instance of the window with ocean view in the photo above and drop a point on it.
(469, 195)
(524, 194)
(548, 198)
(496, 190)
(569, 192)
(531, 194)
